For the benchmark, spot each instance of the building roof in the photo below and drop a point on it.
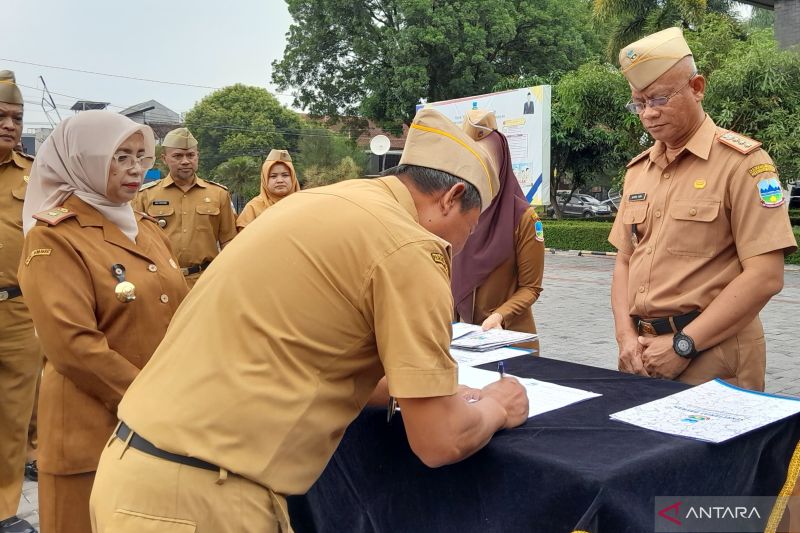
(86, 105)
(155, 113)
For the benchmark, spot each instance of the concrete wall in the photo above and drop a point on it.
(787, 22)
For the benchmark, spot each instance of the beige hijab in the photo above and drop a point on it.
(75, 159)
(266, 199)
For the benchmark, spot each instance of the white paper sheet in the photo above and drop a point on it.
(472, 338)
(713, 412)
(468, 358)
(542, 396)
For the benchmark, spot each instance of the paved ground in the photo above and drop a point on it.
(574, 320)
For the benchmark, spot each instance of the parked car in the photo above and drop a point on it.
(611, 205)
(794, 196)
(581, 205)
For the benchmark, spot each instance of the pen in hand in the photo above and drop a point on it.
(501, 369)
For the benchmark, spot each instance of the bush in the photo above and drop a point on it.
(592, 235)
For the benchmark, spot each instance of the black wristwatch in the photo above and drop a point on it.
(683, 345)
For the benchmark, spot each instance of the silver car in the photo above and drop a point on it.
(583, 205)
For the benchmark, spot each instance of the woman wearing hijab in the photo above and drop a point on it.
(101, 283)
(498, 275)
(278, 180)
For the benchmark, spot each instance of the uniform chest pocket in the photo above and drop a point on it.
(635, 213)
(694, 230)
(208, 208)
(160, 210)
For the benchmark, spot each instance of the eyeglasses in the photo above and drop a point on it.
(128, 161)
(638, 107)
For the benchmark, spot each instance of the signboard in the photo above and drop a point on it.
(523, 116)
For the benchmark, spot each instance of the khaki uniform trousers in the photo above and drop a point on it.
(20, 363)
(138, 493)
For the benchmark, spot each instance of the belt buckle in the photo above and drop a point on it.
(647, 328)
(3, 296)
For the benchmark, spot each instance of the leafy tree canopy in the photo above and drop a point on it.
(378, 59)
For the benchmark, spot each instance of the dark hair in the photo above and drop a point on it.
(430, 180)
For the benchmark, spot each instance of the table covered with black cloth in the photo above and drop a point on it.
(572, 469)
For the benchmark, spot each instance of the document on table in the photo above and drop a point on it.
(713, 412)
(542, 396)
(468, 358)
(471, 337)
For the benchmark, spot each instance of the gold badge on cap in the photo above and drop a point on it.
(125, 291)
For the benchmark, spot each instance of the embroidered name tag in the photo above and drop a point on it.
(758, 169)
(160, 202)
(38, 251)
(638, 197)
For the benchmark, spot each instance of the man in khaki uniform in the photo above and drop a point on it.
(196, 214)
(317, 313)
(20, 355)
(701, 231)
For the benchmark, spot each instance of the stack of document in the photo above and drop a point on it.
(713, 412)
(473, 338)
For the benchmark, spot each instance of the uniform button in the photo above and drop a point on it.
(693, 211)
(184, 213)
(164, 298)
(666, 175)
(641, 288)
(1, 244)
(658, 214)
(152, 268)
(649, 250)
(184, 231)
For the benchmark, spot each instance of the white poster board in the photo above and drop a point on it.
(523, 116)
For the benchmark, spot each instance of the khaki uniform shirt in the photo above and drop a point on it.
(95, 345)
(15, 320)
(198, 221)
(513, 287)
(696, 220)
(300, 321)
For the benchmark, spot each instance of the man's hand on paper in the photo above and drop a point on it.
(493, 321)
(659, 359)
(630, 355)
(511, 396)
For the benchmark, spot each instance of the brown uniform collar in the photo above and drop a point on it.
(86, 215)
(401, 194)
(15, 158)
(700, 144)
(167, 181)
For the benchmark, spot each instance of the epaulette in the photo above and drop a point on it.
(740, 143)
(638, 157)
(55, 215)
(217, 184)
(148, 185)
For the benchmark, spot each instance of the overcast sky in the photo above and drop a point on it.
(199, 42)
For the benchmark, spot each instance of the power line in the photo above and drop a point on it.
(135, 78)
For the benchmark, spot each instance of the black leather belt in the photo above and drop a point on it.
(143, 445)
(195, 269)
(662, 326)
(8, 293)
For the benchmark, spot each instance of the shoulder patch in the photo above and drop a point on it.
(740, 143)
(148, 185)
(55, 215)
(638, 157)
(539, 230)
(760, 169)
(217, 184)
(37, 252)
(441, 261)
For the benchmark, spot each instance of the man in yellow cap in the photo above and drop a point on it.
(20, 355)
(197, 214)
(701, 231)
(300, 321)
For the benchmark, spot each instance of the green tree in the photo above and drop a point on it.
(242, 176)
(241, 121)
(321, 151)
(378, 59)
(756, 92)
(630, 20)
(317, 176)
